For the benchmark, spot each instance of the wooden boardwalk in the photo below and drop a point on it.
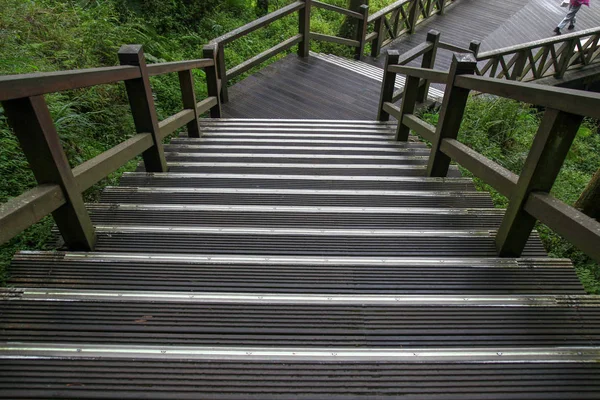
(496, 24)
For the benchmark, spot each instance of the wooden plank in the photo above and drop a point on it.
(388, 85)
(453, 48)
(19, 86)
(490, 172)
(304, 29)
(371, 36)
(141, 102)
(548, 152)
(422, 73)
(258, 23)
(337, 9)
(262, 57)
(174, 122)
(428, 62)
(20, 213)
(451, 113)
(93, 171)
(206, 105)
(392, 109)
(177, 66)
(414, 53)
(573, 225)
(334, 39)
(212, 83)
(568, 100)
(409, 101)
(33, 125)
(361, 32)
(388, 9)
(420, 127)
(188, 97)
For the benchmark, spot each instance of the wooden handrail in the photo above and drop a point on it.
(388, 9)
(529, 198)
(538, 43)
(334, 39)
(258, 23)
(431, 75)
(339, 10)
(60, 187)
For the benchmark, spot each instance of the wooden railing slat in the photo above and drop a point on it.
(206, 105)
(423, 73)
(20, 213)
(388, 9)
(262, 57)
(174, 122)
(93, 171)
(177, 66)
(421, 128)
(258, 23)
(334, 39)
(27, 85)
(337, 9)
(568, 222)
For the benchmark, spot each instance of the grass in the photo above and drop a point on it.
(503, 130)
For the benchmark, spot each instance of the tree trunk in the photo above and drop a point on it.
(350, 25)
(262, 7)
(589, 202)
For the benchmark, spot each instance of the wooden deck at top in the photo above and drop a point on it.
(495, 23)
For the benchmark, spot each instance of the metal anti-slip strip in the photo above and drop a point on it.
(203, 121)
(299, 260)
(501, 301)
(294, 140)
(191, 175)
(294, 165)
(295, 231)
(418, 193)
(310, 148)
(297, 209)
(295, 131)
(576, 354)
(311, 156)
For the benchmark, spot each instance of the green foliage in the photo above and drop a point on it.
(503, 131)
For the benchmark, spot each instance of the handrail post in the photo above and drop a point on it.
(413, 18)
(451, 113)
(409, 101)
(548, 152)
(429, 57)
(304, 29)
(141, 101)
(212, 78)
(565, 58)
(361, 31)
(35, 130)
(474, 46)
(388, 84)
(517, 72)
(222, 72)
(376, 43)
(188, 96)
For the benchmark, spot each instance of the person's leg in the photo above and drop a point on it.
(570, 17)
(574, 19)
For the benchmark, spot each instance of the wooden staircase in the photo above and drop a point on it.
(296, 259)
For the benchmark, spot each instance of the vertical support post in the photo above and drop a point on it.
(548, 152)
(141, 101)
(451, 113)
(212, 78)
(304, 29)
(222, 71)
(409, 101)
(388, 84)
(433, 37)
(188, 95)
(565, 58)
(474, 46)
(35, 130)
(376, 43)
(361, 31)
(517, 72)
(413, 17)
(441, 6)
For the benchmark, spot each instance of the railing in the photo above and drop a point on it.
(60, 187)
(528, 194)
(542, 58)
(399, 18)
(404, 15)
